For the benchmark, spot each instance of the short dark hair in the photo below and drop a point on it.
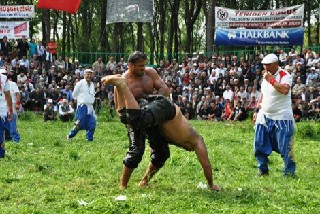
(136, 56)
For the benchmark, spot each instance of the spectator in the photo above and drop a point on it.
(53, 47)
(24, 98)
(50, 111)
(111, 65)
(5, 47)
(297, 113)
(40, 52)
(239, 113)
(23, 47)
(228, 111)
(32, 48)
(215, 112)
(48, 59)
(98, 67)
(66, 112)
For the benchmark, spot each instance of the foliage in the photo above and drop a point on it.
(47, 174)
(88, 32)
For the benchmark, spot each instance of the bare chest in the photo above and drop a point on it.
(141, 87)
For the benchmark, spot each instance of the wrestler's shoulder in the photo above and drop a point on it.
(150, 71)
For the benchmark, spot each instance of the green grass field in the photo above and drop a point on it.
(47, 174)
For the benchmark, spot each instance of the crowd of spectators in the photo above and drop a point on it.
(216, 88)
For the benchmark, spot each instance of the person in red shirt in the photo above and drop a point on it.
(53, 46)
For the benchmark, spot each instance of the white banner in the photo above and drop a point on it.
(287, 17)
(14, 30)
(129, 11)
(17, 11)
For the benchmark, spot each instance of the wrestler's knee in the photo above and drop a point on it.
(133, 158)
(159, 159)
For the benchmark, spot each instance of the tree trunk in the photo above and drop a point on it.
(103, 31)
(152, 44)
(84, 46)
(209, 9)
(132, 36)
(74, 30)
(55, 26)
(309, 23)
(46, 26)
(318, 28)
(64, 30)
(192, 10)
(122, 41)
(115, 42)
(173, 27)
(69, 29)
(140, 37)
(162, 20)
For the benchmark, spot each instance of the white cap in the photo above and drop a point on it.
(313, 68)
(50, 101)
(270, 58)
(3, 71)
(88, 71)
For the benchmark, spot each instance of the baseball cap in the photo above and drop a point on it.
(270, 58)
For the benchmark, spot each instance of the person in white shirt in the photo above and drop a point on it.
(6, 110)
(11, 132)
(274, 123)
(65, 111)
(228, 93)
(85, 119)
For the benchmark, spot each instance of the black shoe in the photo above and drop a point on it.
(263, 173)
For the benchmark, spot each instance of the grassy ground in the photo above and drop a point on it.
(46, 174)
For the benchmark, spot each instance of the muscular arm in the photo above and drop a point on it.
(115, 99)
(159, 85)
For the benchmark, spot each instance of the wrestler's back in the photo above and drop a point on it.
(180, 132)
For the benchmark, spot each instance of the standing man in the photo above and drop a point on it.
(11, 132)
(32, 48)
(142, 82)
(6, 47)
(5, 109)
(23, 47)
(53, 47)
(274, 121)
(85, 119)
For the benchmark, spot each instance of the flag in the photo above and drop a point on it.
(70, 6)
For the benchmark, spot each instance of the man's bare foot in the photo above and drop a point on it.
(116, 80)
(143, 184)
(122, 186)
(216, 188)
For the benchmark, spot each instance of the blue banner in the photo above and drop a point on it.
(261, 37)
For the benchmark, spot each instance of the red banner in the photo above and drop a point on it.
(19, 28)
(70, 6)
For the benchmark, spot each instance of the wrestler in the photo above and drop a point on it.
(161, 111)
